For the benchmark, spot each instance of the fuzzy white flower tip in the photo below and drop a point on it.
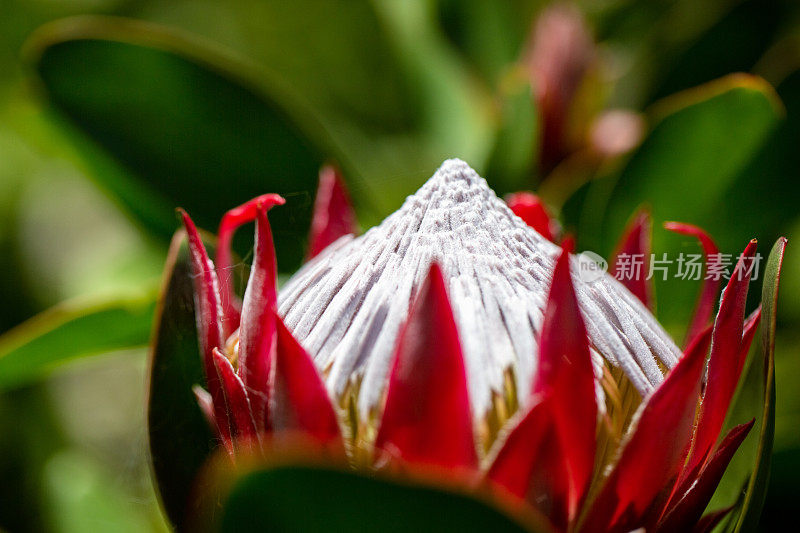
(347, 306)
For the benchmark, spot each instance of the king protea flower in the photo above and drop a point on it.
(453, 340)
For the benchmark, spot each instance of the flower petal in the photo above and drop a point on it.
(427, 416)
(231, 221)
(635, 243)
(532, 210)
(724, 366)
(257, 331)
(655, 450)
(696, 493)
(240, 416)
(207, 313)
(565, 372)
(708, 294)
(299, 400)
(333, 215)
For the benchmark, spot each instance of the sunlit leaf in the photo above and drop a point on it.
(700, 142)
(70, 331)
(703, 137)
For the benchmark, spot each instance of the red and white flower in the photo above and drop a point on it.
(453, 339)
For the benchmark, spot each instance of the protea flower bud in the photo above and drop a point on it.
(456, 340)
(560, 53)
(570, 79)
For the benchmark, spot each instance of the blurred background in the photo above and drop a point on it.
(114, 112)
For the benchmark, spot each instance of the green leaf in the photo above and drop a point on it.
(687, 161)
(734, 43)
(180, 439)
(334, 54)
(454, 107)
(757, 486)
(71, 331)
(763, 202)
(313, 498)
(700, 142)
(490, 35)
(191, 126)
(511, 165)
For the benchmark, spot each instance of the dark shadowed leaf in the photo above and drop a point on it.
(190, 128)
(491, 35)
(754, 208)
(335, 54)
(733, 43)
(318, 499)
(180, 438)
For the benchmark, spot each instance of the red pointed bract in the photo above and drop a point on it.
(532, 210)
(652, 456)
(565, 372)
(696, 493)
(750, 327)
(257, 330)
(207, 315)
(708, 294)
(724, 366)
(333, 216)
(240, 415)
(635, 246)
(530, 463)
(231, 221)
(299, 400)
(427, 417)
(515, 462)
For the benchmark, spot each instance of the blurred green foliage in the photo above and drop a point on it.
(110, 120)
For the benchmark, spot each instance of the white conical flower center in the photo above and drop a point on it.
(347, 306)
